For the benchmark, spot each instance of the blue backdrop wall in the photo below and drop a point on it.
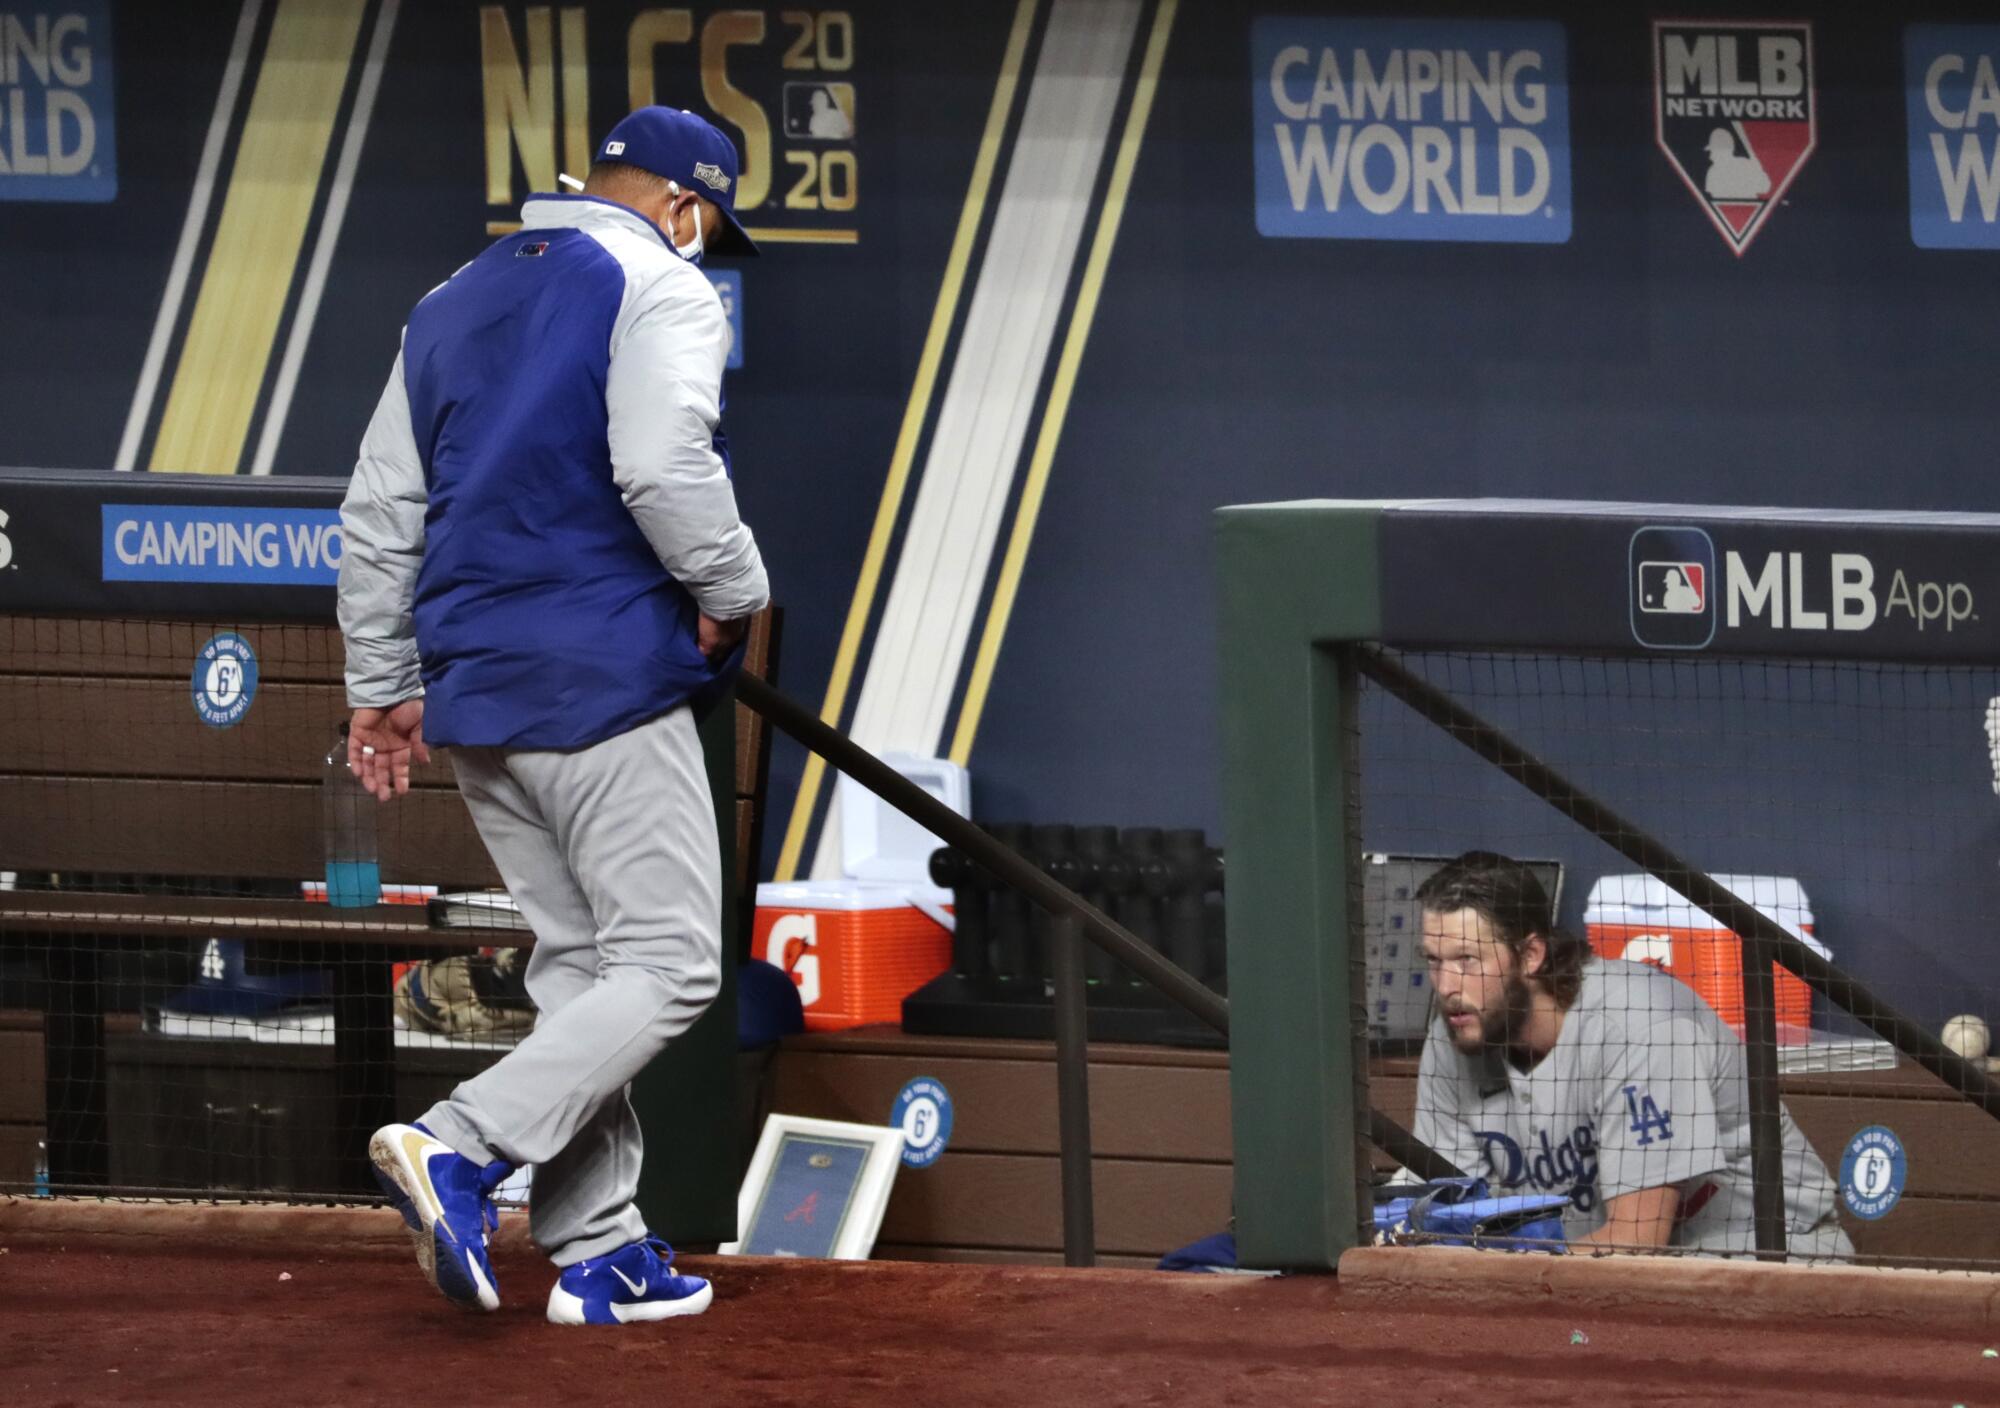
(1238, 341)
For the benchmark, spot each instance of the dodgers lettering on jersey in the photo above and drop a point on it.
(1569, 1167)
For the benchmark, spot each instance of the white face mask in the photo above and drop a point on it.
(693, 250)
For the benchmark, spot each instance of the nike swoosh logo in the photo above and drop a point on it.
(416, 1149)
(638, 1290)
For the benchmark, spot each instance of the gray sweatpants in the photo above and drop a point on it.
(611, 853)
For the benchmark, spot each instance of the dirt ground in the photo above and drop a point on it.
(86, 1325)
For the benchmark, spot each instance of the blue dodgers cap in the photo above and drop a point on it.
(690, 150)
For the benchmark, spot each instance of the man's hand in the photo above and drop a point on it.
(1641, 1219)
(381, 744)
(718, 638)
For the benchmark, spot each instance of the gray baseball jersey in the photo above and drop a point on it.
(1645, 1087)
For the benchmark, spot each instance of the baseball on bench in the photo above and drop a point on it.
(1968, 1036)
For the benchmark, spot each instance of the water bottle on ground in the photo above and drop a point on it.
(347, 819)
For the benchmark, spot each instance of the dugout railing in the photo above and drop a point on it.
(1075, 921)
(1799, 654)
(134, 823)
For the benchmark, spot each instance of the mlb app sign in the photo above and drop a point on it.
(57, 137)
(1952, 87)
(1411, 129)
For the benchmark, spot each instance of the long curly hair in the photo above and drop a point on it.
(1506, 894)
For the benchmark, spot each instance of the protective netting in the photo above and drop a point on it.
(1854, 805)
(220, 963)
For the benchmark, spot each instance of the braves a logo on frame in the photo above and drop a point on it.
(1734, 113)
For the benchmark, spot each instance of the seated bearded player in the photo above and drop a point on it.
(1550, 1070)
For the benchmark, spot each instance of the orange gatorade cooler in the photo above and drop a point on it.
(1637, 917)
(859, 945)
(856, 948)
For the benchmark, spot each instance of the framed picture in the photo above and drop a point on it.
(816, 1188)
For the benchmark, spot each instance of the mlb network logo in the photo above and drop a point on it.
(1671, 575)
(1734, 114)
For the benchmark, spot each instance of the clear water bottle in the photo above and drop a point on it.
(347, 820)
(42, 1169)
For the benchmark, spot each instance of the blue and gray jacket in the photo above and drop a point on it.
(541, 506)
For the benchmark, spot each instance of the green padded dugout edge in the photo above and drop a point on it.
(1295, 581)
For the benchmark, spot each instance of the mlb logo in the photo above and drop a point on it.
(1673, 588)
(532, 251)
(821, 112)
(1668, 576)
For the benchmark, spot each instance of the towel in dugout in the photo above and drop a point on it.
(1462, 1212)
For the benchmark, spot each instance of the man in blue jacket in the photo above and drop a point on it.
(544, 565)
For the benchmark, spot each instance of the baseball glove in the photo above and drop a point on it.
(467, 995)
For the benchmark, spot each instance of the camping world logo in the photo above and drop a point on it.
(1733, 107)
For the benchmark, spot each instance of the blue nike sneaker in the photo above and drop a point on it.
(400, 1201)
(446, 1201)
(636, 1282)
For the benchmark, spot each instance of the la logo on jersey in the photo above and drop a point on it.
(1734, 114)
(1649, 1122)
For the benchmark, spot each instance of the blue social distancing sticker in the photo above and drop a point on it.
(923, 1112)
(1873, 1172)
(225, 680)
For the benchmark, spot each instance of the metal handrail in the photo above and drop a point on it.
(1007, 864)
(1076, 918)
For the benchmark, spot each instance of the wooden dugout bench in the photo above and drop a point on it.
(1163, 1163)
(156, 827)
